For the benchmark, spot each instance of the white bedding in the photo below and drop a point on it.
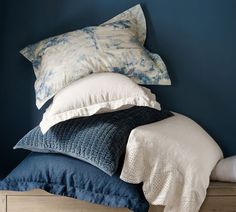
(174, 159)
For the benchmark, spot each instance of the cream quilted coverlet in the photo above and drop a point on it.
(174, 159)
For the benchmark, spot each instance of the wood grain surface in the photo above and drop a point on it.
(221, 197)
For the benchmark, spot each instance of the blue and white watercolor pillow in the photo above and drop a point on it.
(114, 46)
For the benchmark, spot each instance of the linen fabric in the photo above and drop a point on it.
(95, 94)
(225, 170)
(66, 176)
(115, 46)
(174, 159)
(99, 140)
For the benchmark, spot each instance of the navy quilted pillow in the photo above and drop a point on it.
(66, 176)
(99, 140)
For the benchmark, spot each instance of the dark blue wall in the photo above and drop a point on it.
(197, 40)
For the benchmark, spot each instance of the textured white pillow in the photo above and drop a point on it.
(225, 170)
(174, 159)
(96, 93)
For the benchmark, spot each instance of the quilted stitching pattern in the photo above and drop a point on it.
(99, 140)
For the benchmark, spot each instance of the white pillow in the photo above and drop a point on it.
(96, 93)
(225, 170)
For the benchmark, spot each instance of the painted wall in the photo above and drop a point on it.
(197, 40)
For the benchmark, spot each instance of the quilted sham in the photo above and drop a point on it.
(99, 140)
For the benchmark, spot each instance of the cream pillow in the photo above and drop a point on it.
(96, 93)
(173, 158)
(225, 170)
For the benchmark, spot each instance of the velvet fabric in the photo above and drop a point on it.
(99, 140)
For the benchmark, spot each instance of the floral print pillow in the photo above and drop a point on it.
(115, 46)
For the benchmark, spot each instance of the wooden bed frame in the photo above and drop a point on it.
(221, 197)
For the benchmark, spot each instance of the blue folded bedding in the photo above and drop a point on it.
(95, 144)
(63, 175)
(99, 140)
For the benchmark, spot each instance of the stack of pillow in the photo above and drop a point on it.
(92, 75)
